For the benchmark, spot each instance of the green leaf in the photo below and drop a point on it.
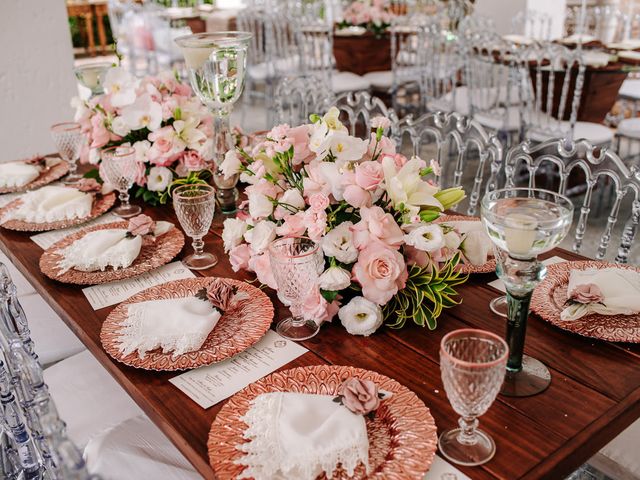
(93, 173)
(329, 295)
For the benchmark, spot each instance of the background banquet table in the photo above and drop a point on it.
(594, 393)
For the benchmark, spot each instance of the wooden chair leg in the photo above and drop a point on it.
(102, 36)
(88, 21)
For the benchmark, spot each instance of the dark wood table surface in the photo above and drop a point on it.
(594, 393)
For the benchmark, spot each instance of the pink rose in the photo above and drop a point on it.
(381, 272)
(369, 175)
(193, 161)
(89, 185)
(293, 226)
(261, 265)
(318, 202)
(356, 196)
(376, 224)
(141, 174)
(300, 138)
(315, 307)
(141, 225)
(239, 257)
(587, 293)
(360, 396)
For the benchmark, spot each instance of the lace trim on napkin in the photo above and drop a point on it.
(267, 459)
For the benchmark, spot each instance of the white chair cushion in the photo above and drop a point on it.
(596, 133)
(629, 127)
(136, 448)
(22, 284)
(348, 82)
(88, 399)
(446, 103)
(619, 459)
(508, 121)
(380, 80)
(630, 88)
(53, 340)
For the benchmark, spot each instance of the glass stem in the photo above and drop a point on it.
(198, 246)
(518, 311)
(297, 321)
(221, 135)
(123, 195)
(467, 435)
(73, 167)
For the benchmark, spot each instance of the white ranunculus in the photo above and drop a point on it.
(259, 205)
(361, 316)
(121, 85)
(144, 112)
(427, 238)
(231, 164)
(232, 233)
(260, 236)
(347, 148)
(334, 279)
(291, 198)
(159, 179)
(476, 247)
(338, 243)
(405, 186)
(120, 127)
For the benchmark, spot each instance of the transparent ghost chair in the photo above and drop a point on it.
(532, 24)
(359, 108)
(299, 96)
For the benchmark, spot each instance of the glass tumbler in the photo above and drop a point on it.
(119, 166)
(69, 139)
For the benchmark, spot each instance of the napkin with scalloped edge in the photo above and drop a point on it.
(17, 174)
(51, 204)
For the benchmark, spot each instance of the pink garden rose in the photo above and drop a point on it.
(141, 225)
(239, 257)
(316, 308)
(261, 265)
(587, 293)
(381, 272)
(360, 396)
(193, 161)
(376, 224)
(369, 175)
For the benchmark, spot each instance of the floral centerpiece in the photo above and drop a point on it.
(169, 128)
(369, 207)
(371, 15)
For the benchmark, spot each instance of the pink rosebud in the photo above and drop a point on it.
(88, 185)
(141, 225)
(360, 396)
(587, 293)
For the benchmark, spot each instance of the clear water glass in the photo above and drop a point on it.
(472, 364)
(195, 207)
(216, 64)
(69, 140)
(523, 223)
(91, 76)
(119, 167)
(295, 265)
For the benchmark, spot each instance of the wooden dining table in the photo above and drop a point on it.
(594, 392)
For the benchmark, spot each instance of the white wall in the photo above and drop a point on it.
(36, 75)
(502, 11)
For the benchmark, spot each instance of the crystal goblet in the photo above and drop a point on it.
(472, 364)
(523, 223)
(119, 167)
(91, 76)
(195, 207)
(69, 140)
(294, 262)
(216, 64)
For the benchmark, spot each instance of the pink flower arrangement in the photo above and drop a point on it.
(370, 208)
(373, 15)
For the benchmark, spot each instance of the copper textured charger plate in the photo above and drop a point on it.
(466, 268)
(402, 437)
(101, 204)
(152, 255)
(551, 294)
(46, 176)
(236, 331)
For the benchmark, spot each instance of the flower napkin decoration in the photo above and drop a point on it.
(88, 185)
(361, 397)
(140, 225)
(221, 294)
(585, 293)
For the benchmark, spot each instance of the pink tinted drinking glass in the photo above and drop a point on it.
(119, 167)
(69, 140)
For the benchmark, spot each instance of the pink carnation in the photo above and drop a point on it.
(261, 265)
(239, 257)
(316, 308)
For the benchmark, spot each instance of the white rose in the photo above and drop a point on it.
(427, 238)
(334, 279)
(231, 164)
(476, 247)
(120, 127)
(291, 198)
(159, 179)
(361, 316)
(260, 236)
(259, 205)
(338, 243)
(233, 232)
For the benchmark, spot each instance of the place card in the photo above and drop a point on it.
(442, 470)
(499, 284)
(7, 198)
(107, 294)
(211, 384)
(46, 239)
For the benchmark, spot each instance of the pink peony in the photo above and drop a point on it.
(316, 308)
(587, 293)
(369, 175)
(360, 396)
(381, 272)
(376, 224)
(261, 265)
(239, 257)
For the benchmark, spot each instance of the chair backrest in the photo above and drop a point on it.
(580, 170)
(299, 96)
(533, 24)
(357, 109)
(459, 144)
(314, 42)
(33, 439)
(601, 22)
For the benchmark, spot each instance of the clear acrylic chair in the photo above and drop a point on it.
(461, 146)
(359, 108)
(299, 96)
(533, 24)
(595, 178)
(601, 22)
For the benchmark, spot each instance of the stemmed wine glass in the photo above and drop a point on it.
(119, 166)
(195, 206)
(69, 140)
(523, 223)
(91, 76)
(216, 63)
(472, 363)
(294, 262)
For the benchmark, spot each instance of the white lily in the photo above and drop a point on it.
(144, 112)
(187, 134)
(121, 85)
(405, 186)
(347, 148)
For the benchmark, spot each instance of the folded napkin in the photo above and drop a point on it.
(52, 204)
(299, 436)
(175, 324)
(578, 38)
(628, 44)
(595, 58)
(519, 39)
(17, 174)
(476, 245)
(608, 291)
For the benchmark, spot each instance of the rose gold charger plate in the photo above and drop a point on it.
(101, 204)
(47, 175)
(238, 329)
(402, 436)
(550, 295)
(152, 255)
(467, 268)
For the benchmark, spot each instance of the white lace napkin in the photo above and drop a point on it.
(52, 204)
(476, 245)
(577, 38)
(17, 174)
(620, 290)
(176, 324)
(299, 436)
